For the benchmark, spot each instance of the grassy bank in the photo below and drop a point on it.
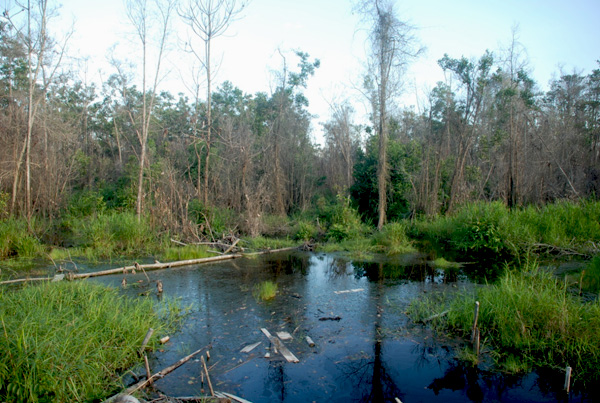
(70, 341)
(487, 233)
(527, 319)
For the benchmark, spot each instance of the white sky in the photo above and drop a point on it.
(556, 34)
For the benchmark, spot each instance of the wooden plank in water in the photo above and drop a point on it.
(250, 347)
(285, 336)
(349, 291)
(278, 344)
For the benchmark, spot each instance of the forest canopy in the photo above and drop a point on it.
(486, 134)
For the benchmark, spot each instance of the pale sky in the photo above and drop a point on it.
(555, 33)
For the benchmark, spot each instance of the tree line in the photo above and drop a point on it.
(486, 133)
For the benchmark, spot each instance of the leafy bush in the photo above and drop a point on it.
(305, 231)
(343, 221)
(86, 203)
(490, 232)
(218, 220)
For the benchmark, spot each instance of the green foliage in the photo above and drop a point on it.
(591, 276)
(187, 252)
(263, 243)
(265, 291)
(403, 159)
(305, 231)
(112, 234)
(529, 319)
(86, 203)
(218, 220)
(490, 232)
(342, 221)
(274, 225)
(4, 198)
(69, 341)
(392, 239)
(16, 240)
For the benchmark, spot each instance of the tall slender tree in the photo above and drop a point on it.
(208, 19)
(141, 17)
(392, 47)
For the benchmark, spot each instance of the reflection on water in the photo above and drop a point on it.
(366, 349)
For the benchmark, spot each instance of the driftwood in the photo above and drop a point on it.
(142, 384)
(212, 391)
(148, 267)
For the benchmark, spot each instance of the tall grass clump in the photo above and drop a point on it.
(530, 319)
(590, 277)
(16, 240)
(111, 234)
(392, 239)
(569, 225)
(69, 341)
(187, 252)
(265, 291)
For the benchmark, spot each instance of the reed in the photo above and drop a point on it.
(529, 319)
(70, 341)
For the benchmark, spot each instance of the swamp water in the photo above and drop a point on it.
(366, 349)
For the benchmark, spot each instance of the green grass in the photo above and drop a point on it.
(18, 241)
(69, 341)
(264, 291)
(491, 234)
(112, 234)
(442, 263)
(187, 252)
(393, 240)
(262, 243)
(528, 319)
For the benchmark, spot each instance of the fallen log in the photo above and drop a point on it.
(149, 267)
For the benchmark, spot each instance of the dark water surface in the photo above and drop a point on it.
(366, 348)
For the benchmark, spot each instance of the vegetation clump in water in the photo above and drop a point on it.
(265, 291)
(69, 341)
(528, 319)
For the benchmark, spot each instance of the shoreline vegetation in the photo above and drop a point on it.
(530, 317)
(72, 341)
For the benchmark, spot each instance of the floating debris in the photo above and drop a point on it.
(250, 347)
(349, 291)
(336, 318)
(285, 336)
